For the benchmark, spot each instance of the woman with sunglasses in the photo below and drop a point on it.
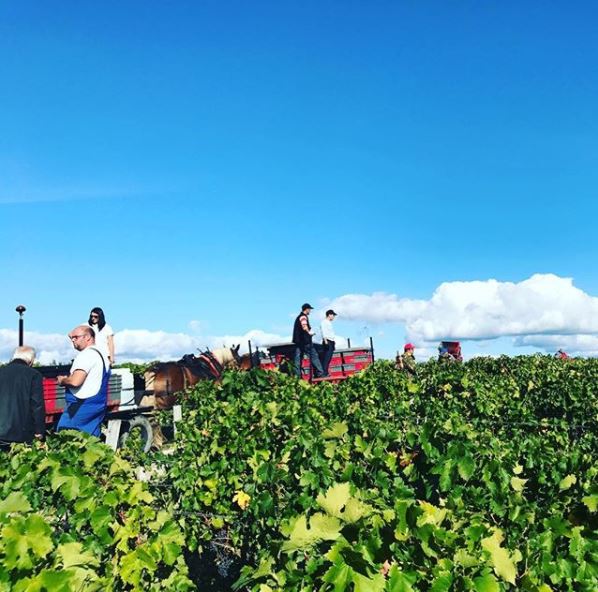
(104, 333)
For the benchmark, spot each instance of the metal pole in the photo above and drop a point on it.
(348, 343)
(250, 353)
(372, 348)
(20, 309)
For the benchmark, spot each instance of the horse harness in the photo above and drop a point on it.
(205, 365)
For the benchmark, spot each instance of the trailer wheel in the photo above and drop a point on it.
(137, 433)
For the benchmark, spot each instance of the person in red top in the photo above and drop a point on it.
(303, 340)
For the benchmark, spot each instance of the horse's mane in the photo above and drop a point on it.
(224, 356)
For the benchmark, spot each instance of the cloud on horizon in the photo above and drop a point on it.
(545, 312)
(544, 304)
(134, 345)
(577, 345)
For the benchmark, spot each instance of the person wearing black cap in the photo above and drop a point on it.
(328, 338)
(302, 338)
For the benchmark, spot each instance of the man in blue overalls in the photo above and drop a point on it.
(86, 386)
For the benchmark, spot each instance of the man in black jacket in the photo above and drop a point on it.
(303, 340)
(22, 409)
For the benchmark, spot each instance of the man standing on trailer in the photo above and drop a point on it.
(86, 394)
(328, 338)
(303, 340)
(22, 409)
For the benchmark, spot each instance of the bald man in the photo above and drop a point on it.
(86, 386)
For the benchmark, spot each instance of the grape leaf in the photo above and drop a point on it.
(15, 502)
(499, 557)
(335, 499)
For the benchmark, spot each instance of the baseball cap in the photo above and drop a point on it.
(307, 305)
(330, 311)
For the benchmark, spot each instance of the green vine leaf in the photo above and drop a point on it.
(321, 528)
(72, 554)
(15, 502)
(486, 583)
(499, 557)
(567, 482)
(366, 584)
(26, 539)
(335, 499)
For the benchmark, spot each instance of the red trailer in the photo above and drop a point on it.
(124, 413)
(344, 363)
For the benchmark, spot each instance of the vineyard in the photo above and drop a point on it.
(479, 476)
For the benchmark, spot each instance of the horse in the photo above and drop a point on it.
(165, 379)
(249, 361)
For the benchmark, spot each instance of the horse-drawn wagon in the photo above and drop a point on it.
(132, 399)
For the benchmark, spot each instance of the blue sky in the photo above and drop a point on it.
(223, 162)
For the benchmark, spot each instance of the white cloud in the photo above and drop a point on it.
(544, 311)
(140, 345)
(541, 304)
(134, 345)
(424, 353)
(51, 347)
(576, 345)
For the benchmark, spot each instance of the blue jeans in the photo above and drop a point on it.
(309, 351)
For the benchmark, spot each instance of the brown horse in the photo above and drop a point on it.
(165, 380)
(249, 361)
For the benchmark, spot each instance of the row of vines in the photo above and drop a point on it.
(479, 476)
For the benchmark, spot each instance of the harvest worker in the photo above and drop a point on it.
(86, 386)
(328, 338)
(22, 410)
(303, 340)
(406, 361)
(104, 333)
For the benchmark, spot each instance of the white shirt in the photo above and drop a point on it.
(102, 338)
(89, 361)
(327, 330)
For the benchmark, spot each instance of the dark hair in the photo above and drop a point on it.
(101, 318)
